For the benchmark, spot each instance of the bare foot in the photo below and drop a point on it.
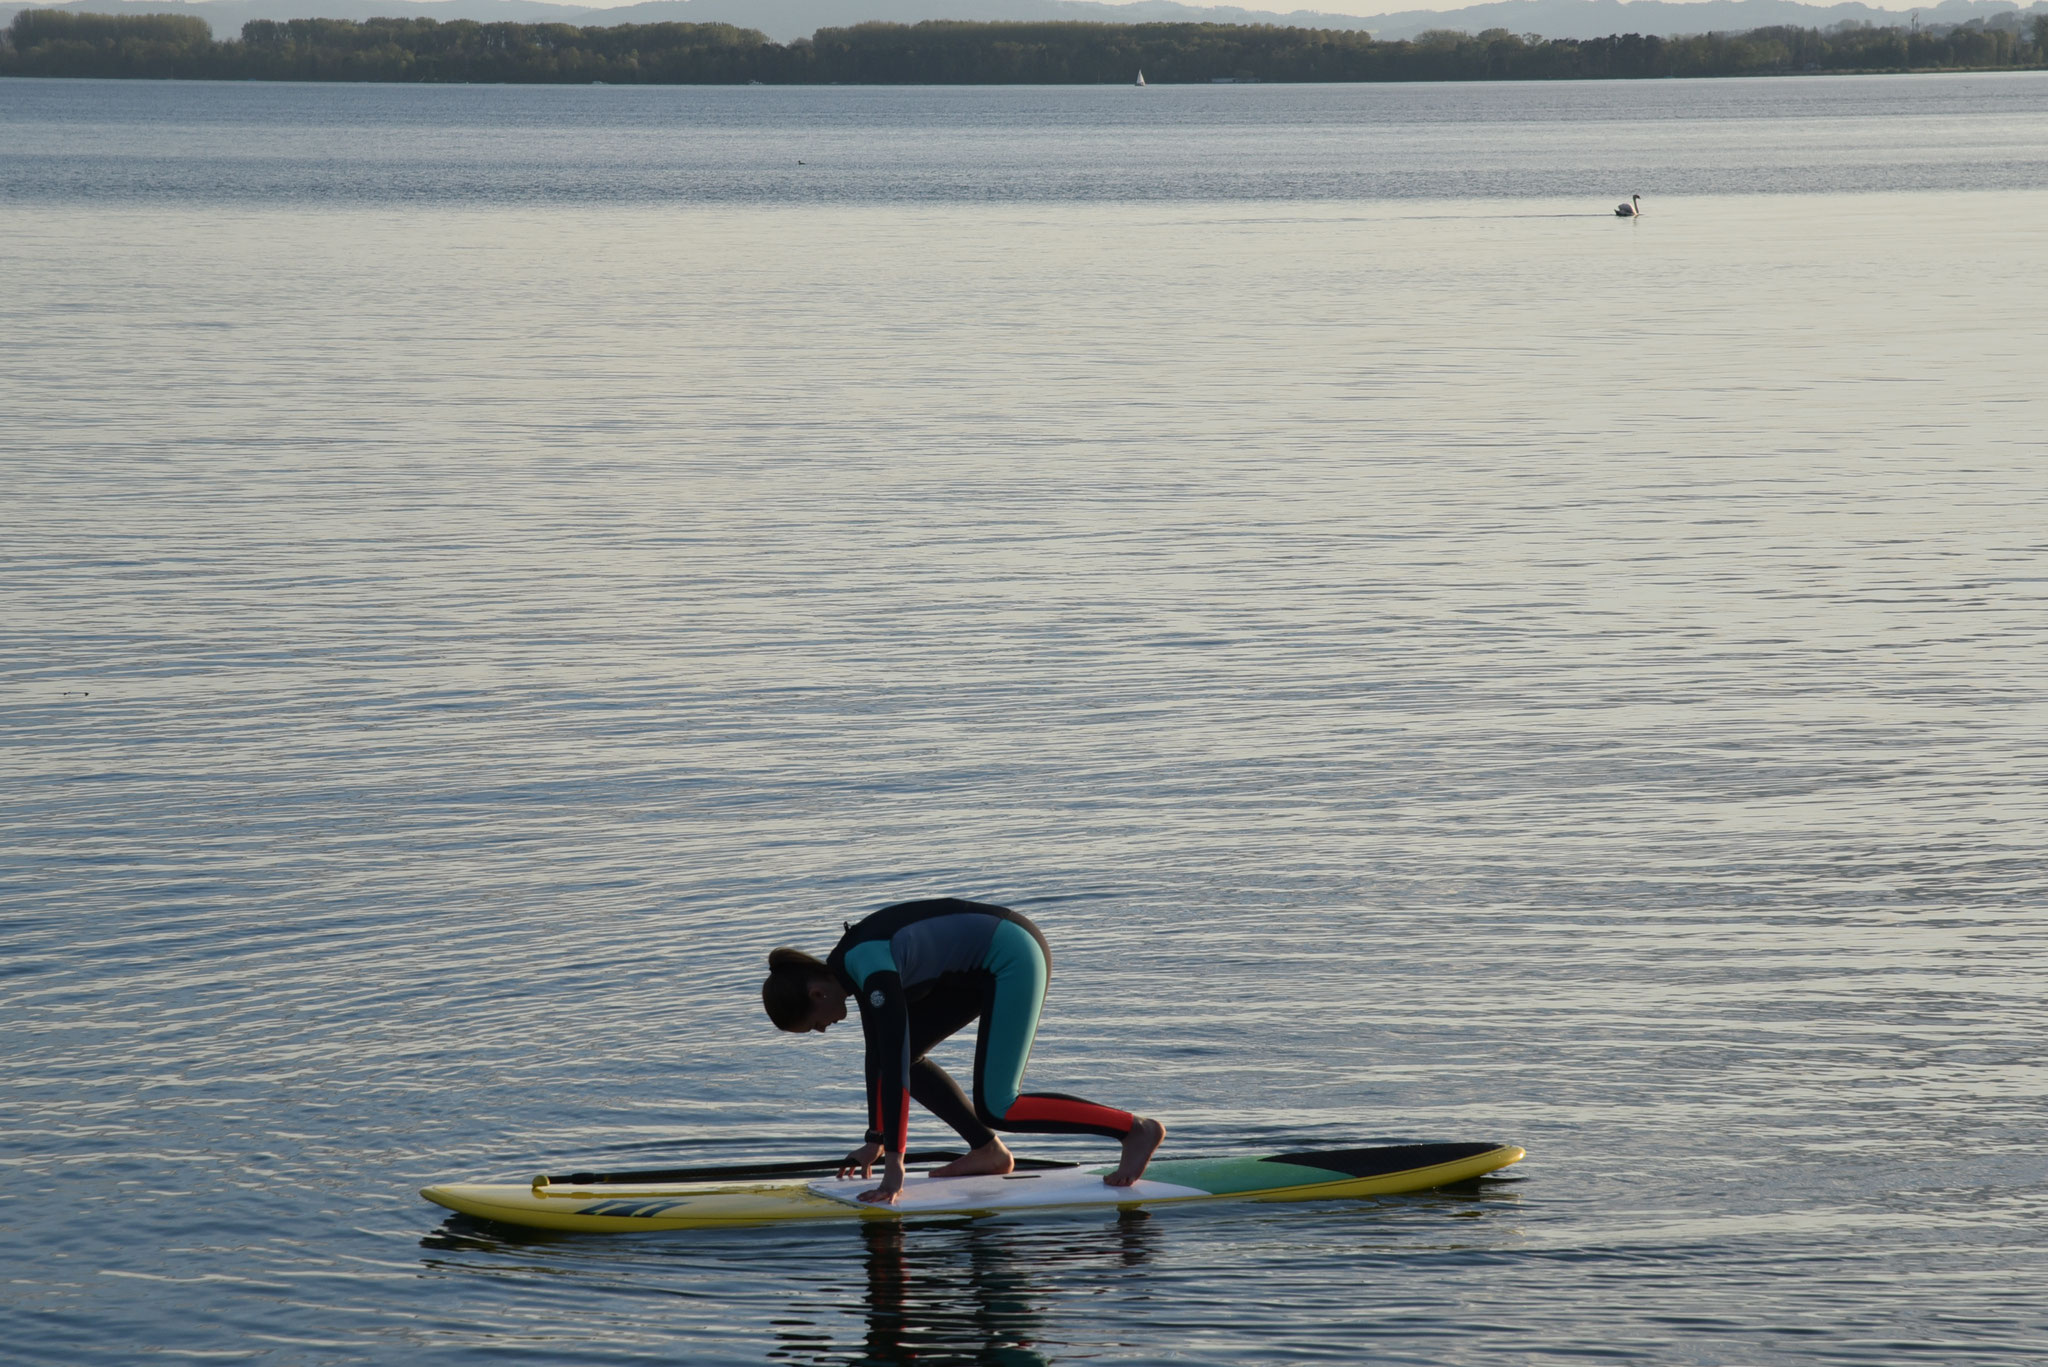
(1139, 1145)
(990, 1160)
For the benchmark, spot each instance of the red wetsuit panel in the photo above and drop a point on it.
(1038, 1108)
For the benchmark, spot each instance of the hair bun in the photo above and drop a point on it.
(787, 960)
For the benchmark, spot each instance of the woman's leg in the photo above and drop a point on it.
(1019, 969)
(942, 1013)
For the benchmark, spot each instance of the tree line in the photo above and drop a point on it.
(942, 52)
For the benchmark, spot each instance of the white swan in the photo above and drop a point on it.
(1632, 209)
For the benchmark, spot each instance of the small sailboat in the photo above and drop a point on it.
(1140, 82)
(1632, 209)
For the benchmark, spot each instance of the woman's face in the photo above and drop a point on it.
(828, 1006)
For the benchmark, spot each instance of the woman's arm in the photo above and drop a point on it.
(885, 1027)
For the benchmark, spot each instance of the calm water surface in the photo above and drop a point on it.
(480, 566)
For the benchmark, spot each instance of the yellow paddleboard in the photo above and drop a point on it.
(607, 1206)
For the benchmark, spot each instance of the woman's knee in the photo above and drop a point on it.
(987, 1115)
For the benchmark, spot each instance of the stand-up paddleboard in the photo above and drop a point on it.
(615, 1203)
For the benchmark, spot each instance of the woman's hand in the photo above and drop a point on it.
(892, 1183)
(861, 1162)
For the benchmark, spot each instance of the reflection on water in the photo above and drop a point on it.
(1004, 1291)
(944, 1291)
(960, 1294)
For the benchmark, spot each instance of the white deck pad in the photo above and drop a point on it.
(1018, 1191)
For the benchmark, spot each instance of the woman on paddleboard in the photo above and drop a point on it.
(920, 971)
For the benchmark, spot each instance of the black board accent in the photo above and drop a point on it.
(1383, 1160)
(755, 1172)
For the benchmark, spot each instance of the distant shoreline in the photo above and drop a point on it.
(52, 43)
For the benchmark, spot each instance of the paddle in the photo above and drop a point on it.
(749, 1172)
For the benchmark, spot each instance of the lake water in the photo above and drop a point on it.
(482, 565)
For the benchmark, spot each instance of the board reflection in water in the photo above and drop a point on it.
(886, 1291)
(979, 1290)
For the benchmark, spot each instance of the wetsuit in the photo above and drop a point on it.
(921, 971)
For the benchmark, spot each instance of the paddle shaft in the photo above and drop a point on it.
(750, 1172)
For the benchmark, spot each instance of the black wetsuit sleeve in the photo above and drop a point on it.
(885, 1023)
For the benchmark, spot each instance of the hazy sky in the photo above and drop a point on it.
(1377, 6)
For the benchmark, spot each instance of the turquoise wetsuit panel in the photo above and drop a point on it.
(1020, 979)
(868, 958)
